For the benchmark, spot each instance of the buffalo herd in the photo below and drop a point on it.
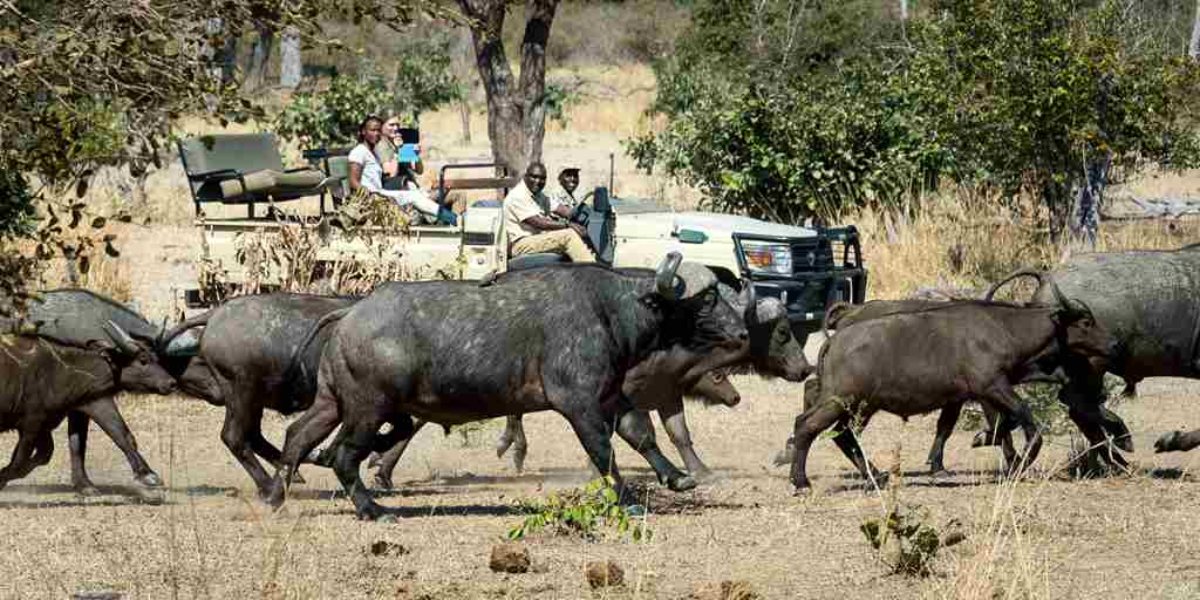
(603, 348)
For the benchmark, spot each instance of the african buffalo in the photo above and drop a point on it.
(654, 385)
(712, 389)
(43, 381)
(247, 344)
(80, 318)
(556, 338)
(915, 362)
(1148, 300)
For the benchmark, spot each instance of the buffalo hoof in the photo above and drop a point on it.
(370, 512)
(373, 460)
(149, 480)
(801, 491)
(1168, 442)
(939, 473)
(681, 484)
(296, 478)
(881, 479)
(983, 439)
(384, 482)
(88, 491)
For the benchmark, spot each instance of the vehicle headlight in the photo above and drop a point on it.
(768, 258)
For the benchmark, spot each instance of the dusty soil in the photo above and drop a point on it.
(1133, 536)
(1044, 537)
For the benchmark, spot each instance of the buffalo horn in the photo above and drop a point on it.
(1034, 273)
(122, 339)
(665, 277)
(1073, 307)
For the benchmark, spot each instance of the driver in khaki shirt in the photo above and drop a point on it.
(532, 229)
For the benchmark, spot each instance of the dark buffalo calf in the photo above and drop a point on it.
(916, 362)
(44, 381)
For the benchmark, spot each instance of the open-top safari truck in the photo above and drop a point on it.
(807, 268)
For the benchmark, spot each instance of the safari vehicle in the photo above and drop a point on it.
(807, 268)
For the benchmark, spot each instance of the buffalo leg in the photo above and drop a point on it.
(353, 448)
(303, 436)
(104, 412)
(242, 417)
(268, 452)
(1082, 394)
(635, 427)
(847, 442)
(675, 422)
(387, 460)
(514, 436)
(77, 434)
(808, 426)
(21, 462)
(1002, 396)
(945, 428)
(595, 435)
(1177, 441)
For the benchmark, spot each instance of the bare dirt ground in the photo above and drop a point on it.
(1130, 536)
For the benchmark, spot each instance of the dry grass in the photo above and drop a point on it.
(1040, 537)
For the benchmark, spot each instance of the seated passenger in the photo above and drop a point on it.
(397, 175)
(531, 223)
(564, 194)
(366, 175)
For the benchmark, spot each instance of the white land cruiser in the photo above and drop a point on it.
(807, 268)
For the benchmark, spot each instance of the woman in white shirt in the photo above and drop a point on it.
(366, 172)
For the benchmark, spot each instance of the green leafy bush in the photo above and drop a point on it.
(904, 541)
(581, 513)
(331, 117)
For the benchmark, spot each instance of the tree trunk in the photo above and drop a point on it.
(1194, 46)
(464, 110)
(516, 114)
(289, 59)
(257, 72)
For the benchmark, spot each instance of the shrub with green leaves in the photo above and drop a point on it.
(905, 543)
(331, 117)
(580, 513)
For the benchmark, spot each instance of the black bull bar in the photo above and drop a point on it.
(826, 268)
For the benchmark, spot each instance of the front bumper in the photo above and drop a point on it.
(833, 271)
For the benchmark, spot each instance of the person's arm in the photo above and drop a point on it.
(544, 223)
(563, 211)
(355, 175)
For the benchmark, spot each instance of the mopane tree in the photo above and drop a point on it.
(516, 106)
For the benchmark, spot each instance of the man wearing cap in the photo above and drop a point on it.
(562, 199)
(530, 223)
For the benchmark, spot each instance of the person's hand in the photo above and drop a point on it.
(391, 167)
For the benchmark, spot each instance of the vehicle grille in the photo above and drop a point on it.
(812, 256)
(821, 254)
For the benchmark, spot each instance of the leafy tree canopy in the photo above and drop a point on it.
(1017, 95)
(99, 82)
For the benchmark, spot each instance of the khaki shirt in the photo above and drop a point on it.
(519, 205)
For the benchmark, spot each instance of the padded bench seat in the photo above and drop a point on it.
(245, 169)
